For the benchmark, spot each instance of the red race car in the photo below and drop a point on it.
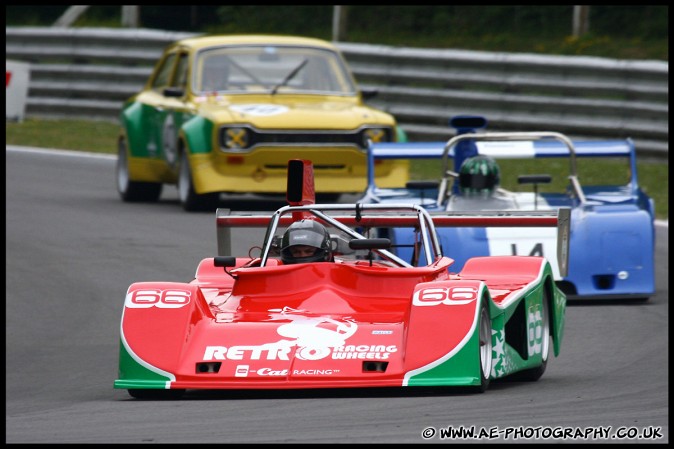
(326, 303)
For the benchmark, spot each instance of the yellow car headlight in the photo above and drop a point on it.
(376, 135)
(235, 138)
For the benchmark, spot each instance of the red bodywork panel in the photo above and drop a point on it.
(288, 323)
(343, 323)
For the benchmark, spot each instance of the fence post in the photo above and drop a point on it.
(130, 16)
(581, 20)
(70, 16)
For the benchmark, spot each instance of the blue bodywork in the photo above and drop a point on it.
(612, 239)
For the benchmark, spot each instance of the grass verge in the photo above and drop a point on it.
(101, 137)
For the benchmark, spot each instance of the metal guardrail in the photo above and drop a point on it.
(89, 72)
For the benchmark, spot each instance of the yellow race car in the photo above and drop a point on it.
(224, 114)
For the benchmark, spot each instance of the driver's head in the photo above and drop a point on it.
(479, 175)
(306, 241)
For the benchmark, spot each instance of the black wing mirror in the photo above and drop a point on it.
(368, 94)
(174, 92)
(535, 180)
(370, 244)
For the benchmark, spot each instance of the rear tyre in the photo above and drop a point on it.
(133, 191)
(189, 199)
(485, 346)
(156, 394)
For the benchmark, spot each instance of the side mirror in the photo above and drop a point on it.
(535, 180)
(422, 185)
(368, 94)
(224, 261)
(378, 243)
(174, 92)
(370, 244)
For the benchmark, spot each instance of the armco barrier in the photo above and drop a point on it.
(89, 72)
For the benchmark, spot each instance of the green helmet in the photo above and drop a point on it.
(479, 175)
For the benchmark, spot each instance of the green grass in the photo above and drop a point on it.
(101, 137)
(94, 136)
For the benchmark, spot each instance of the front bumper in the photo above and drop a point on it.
(336, 170)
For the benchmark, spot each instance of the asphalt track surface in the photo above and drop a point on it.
(73, 248)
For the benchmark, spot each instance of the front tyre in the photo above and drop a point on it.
(485, 347)
(189, 199)
(133, 191)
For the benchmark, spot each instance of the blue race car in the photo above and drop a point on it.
(611, 254)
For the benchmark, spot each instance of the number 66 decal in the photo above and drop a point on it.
(444, 295)
(166, 299)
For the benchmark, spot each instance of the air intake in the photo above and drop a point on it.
(375, 367)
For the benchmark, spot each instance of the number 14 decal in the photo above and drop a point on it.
(444, 295)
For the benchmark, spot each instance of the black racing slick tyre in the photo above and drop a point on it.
(133, 191)
(485, 346)
(189, 199)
